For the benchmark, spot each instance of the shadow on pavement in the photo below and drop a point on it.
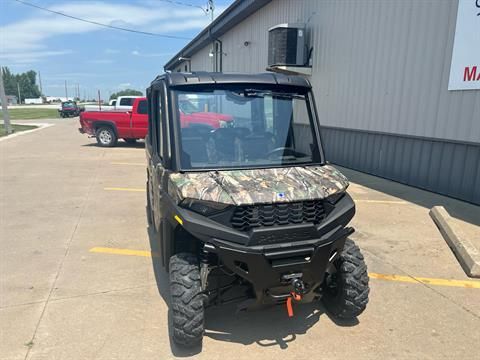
(120, 144)
(459, 209)
(266, 327)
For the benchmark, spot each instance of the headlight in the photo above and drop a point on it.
(205, 208)
(334, 198)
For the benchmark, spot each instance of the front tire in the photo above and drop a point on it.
(106, 136)
(346, 287)
(187, 300)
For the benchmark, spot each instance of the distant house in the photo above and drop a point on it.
(11, 100)
(56, 99)
(33, 101)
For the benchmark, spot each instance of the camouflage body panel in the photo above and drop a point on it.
(244, 187)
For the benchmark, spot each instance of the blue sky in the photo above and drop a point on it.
(91, 56)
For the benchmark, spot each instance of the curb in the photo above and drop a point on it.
(39, 126)
(465, 251)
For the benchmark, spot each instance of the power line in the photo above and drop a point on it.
(183, 4)
(104, 25)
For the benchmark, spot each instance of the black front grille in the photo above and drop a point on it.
(250, 216)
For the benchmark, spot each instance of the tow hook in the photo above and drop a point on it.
(296, 294)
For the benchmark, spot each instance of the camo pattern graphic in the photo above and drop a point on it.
(244, 187)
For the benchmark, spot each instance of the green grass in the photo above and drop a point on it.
(29, 114)
(16, 128)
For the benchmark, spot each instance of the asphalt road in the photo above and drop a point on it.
(78, 281)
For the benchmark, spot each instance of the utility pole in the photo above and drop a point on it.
(40, 83)
(66, 91)
(78, 91)
(6, 116)
(19, 97)
(99, 102)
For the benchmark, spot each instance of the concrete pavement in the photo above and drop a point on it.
(59, 300)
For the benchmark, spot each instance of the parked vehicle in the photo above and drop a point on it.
(70, 109)
(255, 201)
(112, 102)
(109, 126)
(125, 102)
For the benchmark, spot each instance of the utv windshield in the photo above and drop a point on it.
(245, 128)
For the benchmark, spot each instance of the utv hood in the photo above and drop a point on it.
(244, 187)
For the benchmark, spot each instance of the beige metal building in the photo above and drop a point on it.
(380, 73)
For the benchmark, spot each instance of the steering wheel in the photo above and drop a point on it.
(282, 149)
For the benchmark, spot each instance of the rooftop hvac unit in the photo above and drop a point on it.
(286, 45)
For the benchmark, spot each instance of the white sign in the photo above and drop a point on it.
(465, 67)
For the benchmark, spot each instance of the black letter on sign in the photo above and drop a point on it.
(477, 3)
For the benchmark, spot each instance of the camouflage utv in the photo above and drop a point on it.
(247, 210)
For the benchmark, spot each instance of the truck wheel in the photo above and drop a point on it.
(187, 300)
(346, 287)
(130, 141)
(106, 136)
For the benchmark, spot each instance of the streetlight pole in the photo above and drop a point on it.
(6, 116)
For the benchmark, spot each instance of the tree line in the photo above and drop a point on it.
(27, 82)
(126, 92)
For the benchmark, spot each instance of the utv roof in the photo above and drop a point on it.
(207, 78)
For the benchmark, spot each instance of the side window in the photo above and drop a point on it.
(142, 107)
(126, 101)
(154, 121)
(158, 111)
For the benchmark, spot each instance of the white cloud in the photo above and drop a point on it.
(31, 35)
(142, 54)
(31, 56)
(100, 61)
(111, 51)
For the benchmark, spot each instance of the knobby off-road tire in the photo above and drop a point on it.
(346, 294)
(187, 300)
(106, 136)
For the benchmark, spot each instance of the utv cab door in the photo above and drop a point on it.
(155, 149)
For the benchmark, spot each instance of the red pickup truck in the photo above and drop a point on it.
(109, 126)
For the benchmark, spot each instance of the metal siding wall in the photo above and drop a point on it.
(378, 66)
(429, 164)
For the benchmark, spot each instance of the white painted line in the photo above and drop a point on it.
(40, 126)
(382, 201)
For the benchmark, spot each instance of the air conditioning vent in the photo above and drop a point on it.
(286, 45)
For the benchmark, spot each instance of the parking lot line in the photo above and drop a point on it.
(123, 189)
(127, 163)
(382, 201)
(471, 284)
(116, 251)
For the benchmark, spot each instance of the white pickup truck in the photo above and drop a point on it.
(122, 103)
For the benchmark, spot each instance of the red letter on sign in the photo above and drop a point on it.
(470, 75)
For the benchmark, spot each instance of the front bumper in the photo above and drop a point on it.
(269, 269)
(284, 253)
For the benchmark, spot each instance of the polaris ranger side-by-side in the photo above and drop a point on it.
(253, 199)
